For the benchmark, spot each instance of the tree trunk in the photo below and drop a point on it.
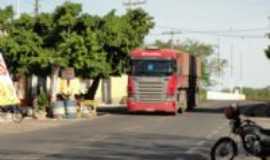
(42, 84)
(93, 88)
(29, 90)
(53, 84)
(20, 84)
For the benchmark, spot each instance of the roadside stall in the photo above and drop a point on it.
(8, 98)
(70, 101)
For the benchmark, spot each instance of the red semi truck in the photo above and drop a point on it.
(162, 80)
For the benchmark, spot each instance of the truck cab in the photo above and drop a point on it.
(157, 81)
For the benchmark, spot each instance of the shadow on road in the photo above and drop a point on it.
(122, 110)
(254, 109)
(115, 145)
(136, 146)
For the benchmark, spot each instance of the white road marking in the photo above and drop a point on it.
(202, 142)
(97, 138)
(129, 129)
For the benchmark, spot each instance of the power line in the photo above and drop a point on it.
(218, 56)
(236, 33)
(18, 8)
(218, 31)
(171, 33)
(241, 36)
(36, 7)
(134, 3)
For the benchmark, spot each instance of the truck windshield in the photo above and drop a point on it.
(153, 67)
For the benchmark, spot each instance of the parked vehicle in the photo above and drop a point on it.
(162, 80)
(254, 139)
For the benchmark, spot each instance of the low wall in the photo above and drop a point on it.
(212, 95)
(118, 89)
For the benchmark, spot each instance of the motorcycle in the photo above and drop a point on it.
(255, 139)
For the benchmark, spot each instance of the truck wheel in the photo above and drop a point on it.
(191, 99)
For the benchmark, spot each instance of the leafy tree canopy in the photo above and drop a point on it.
(6, 16)
(212, 65)
(93, 45)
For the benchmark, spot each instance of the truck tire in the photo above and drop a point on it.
(191, 99)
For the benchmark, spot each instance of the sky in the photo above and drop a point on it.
(241, 26)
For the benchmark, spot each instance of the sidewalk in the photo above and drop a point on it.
(7, 126)
(29, 124)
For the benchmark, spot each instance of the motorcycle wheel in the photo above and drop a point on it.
(224, 149)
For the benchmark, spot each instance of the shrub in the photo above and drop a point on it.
(42, 101)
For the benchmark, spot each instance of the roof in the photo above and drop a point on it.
(155, 53)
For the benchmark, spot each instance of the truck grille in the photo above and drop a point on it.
(150, 90)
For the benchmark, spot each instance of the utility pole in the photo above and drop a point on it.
(133, 3)
(232, 65)
(171, 33)
(219, 77)
(241, 66)
(36, 7)
(231, 59)
(18, 9)
(218, 56)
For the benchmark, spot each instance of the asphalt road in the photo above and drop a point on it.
(117, 135)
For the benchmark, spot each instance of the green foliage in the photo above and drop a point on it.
(42, 101)
(96, 46)
(261, 94)
(6, 15)
(211, 64)
(267, 51)
(120, 34)
(18, 48)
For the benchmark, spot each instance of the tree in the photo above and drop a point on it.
(267, 51)
(6, 15)
(212, 65)
(95, 46)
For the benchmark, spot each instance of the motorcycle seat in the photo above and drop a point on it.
(265, 137)
(265, 132)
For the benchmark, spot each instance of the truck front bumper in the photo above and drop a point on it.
(134, 106)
